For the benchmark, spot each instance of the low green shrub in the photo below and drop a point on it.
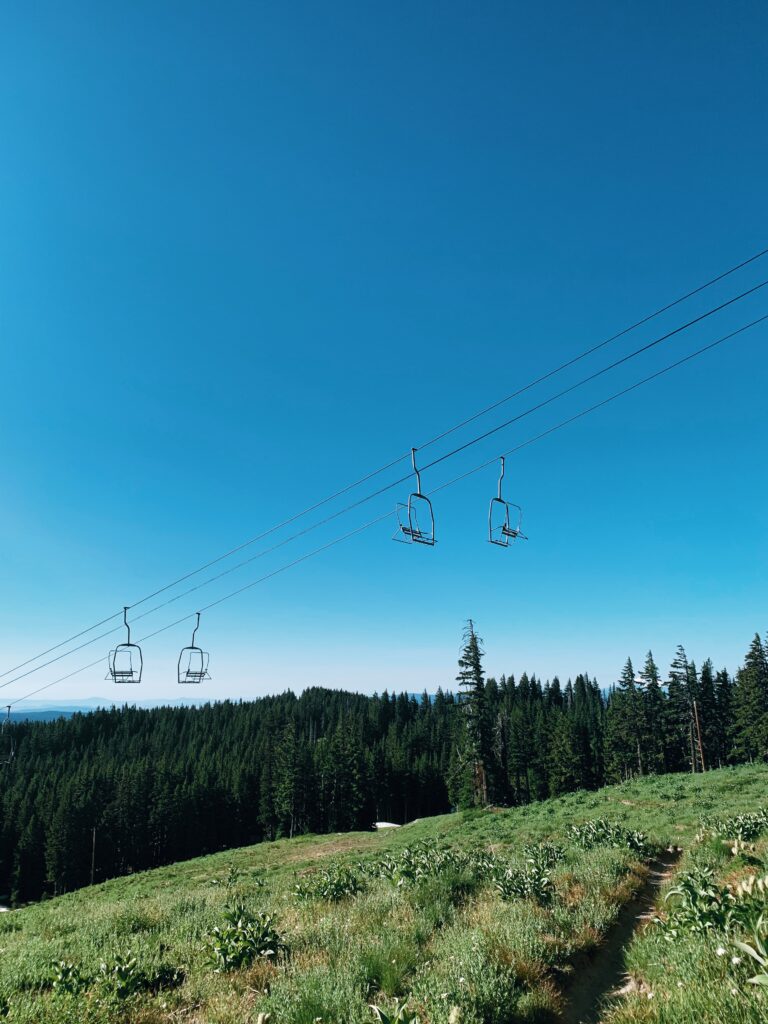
(242, 939)
(422, 860)
(701, 904)
(399, 1015)
(121, 976)
(331, 884)
(543, 855)
(67, 978)
(600, 832)
(742, 827)
(530, 882)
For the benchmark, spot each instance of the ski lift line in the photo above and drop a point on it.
(593, 376)
(213, 604)
(449, 483)
(194, 572)
(211, 579)
(438, 437)
(395, 483)
(595, 348)
(63, 643)
(66, 654)
(601, 404)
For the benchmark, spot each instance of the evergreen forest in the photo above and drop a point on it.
(117, 791)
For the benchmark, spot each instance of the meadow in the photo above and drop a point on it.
(480, 917)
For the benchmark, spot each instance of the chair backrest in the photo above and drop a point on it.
(498, 522)
(421, 519)
(126, 663)
(193, 665)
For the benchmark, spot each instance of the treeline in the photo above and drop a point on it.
(522, 741)
(155, 786)
(171, 783)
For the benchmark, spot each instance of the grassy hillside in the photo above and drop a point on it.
(487, 912)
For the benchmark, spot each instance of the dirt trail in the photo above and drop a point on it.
(603, 973)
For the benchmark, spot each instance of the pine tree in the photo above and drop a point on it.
(750, 705)
(475, 748)
(654, 718)
(679, 708)
(563, 767)
(266, 809)
(288, 802)
(706, 708)
(624, 728)
(723, 704)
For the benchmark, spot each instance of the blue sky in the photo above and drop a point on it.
(249, 252)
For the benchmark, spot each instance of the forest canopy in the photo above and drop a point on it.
(121, 790)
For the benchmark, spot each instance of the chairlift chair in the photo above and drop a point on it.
(501, 517)
(126, 662)
(8, 751)
(415, 518)
(193, 661)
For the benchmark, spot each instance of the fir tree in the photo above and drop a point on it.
(653, 716)
(562, 765)
(624, 728)
(475, 748)
(679, 716)
(724, 710)
(750, 705)
(706, 708)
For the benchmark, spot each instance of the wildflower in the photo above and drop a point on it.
(679, 984)
(720, 951)
(735, 959)
(650, 995)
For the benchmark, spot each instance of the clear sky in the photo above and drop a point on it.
(250, 251)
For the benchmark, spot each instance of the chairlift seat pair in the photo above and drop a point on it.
(416, 519)
(126, 662)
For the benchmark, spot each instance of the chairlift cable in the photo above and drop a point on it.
(383, 490)
(604, 402)
(598, 373)
(463, 476)
(379, 492)
(397, 461)
(591, 351)
(369, 476)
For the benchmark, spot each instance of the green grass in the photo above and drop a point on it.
(441, 941)
(692, 976)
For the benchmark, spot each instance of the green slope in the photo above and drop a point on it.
(444, 939)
